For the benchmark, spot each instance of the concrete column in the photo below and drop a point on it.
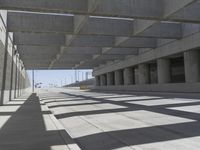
(119, 77)
(136, 74)
(4, 69)
(16, 76)
(103, 80)
(97, 81)
(128, 76)
(19, 78)
(192, 66)
(110, 78)
(163, 70)
(11, 77)
(143, 72)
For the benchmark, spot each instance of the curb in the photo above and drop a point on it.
(70, 143)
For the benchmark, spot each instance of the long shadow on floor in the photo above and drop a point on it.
(140, 136)
(25, 128)
(132, 107)
(143, 135)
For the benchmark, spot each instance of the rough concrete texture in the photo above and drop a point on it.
(2, 48)
(27, 124)
(138, 26)
(176, 87)
(104, 121)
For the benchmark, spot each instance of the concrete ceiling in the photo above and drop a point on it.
(84, 34)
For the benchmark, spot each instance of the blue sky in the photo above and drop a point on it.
(58, 77)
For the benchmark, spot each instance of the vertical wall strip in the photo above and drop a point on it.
(4, 70)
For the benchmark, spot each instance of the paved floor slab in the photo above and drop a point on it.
(104, 121)
(27, 124)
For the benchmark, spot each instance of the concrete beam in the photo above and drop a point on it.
(32, 22)
(111, 57)
(92, 41)
(188, 14)
(43, 39)
(27, 49)
(81, 50)
(90, 64)
(107, 7)
(179, 46)
(141, 26)
(78, 57)
(138, 9)
(85, 25)
(137, 42)
(66, 6)
(108, 26)
(167, 30)
(79, 22)
(121, 51)
(173, 6)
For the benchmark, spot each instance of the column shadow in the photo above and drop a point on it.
(25, 128)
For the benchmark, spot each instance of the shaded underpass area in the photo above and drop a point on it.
(27, 124)
(105, 121)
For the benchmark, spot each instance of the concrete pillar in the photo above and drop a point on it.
(110, 78)
(97, 81)
(4, 69)
(19, 78)
(128, 76)
(163, 71)
(103, 80)
(136, 75)
(192, 66)
(143, 72)
(11, 77)
(16, 76)
(119, 77)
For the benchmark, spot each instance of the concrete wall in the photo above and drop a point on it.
(171, 88)
(182, 76)
(13, 79)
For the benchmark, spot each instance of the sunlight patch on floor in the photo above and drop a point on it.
(162, 102)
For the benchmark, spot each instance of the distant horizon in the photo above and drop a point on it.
(58, 78)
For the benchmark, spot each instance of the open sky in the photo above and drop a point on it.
(58, 77)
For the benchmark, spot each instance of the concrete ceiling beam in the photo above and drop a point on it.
(107, 26)
(137, 9)
(31, 22)
(136, 42)
(66, 6)
(42, 39)
(121, 51)
(81, 50)
(92, 41)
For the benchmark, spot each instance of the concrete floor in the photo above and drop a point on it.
(28, 124)
(100, 121)
(105, 121)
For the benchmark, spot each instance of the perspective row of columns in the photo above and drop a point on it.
(13, 73)
(140, 75)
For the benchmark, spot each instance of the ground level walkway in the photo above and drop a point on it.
(100, 121)
(105, 121)
(27, 124)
